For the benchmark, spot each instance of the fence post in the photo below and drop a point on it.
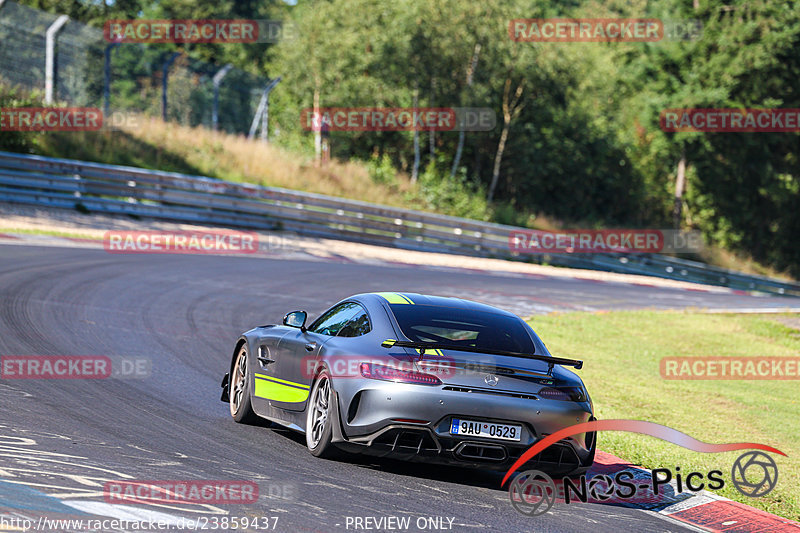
(262, 111)
(217, 79)
(50, 57)
(164, 82)
(265, 118)
(107, 80)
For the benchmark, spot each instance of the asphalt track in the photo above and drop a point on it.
(63, 438)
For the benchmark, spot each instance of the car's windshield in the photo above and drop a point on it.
(463, 327)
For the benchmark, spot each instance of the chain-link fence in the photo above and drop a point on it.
(89, 71)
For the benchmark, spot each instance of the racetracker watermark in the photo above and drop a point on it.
(649, 241)
(184, 242)
(157, 522)
(385, 367)
(181, 491)
(682, 29)
(770, 120)
(64, 119)
(398, 119)
(588, 30)
(74, 367)
(729, 368)
(198, 31)
(50, 119)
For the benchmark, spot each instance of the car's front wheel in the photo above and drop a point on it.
(320, 417)
(239, 395)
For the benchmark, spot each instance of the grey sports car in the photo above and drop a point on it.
(413, 377)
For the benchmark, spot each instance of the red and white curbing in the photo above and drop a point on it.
(717, 515)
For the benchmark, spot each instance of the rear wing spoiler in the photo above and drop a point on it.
(422, 346)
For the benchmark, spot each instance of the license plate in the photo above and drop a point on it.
(473, 428)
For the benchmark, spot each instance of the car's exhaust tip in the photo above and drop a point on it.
(478, 451)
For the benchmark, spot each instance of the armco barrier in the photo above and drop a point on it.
(171, 196)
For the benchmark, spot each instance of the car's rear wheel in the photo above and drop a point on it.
(320, 417)
(239, 395)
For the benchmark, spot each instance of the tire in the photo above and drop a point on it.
(320, 417)
(239, 390)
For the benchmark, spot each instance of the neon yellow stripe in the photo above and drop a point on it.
(263, 376)
(278, 392)
(428, 350)
(394, 298)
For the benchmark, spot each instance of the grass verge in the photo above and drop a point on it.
(622, 351)
(151, 143)
(51, 233)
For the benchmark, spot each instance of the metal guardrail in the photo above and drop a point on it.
(102, 188)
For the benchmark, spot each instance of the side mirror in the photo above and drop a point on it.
(296, 319)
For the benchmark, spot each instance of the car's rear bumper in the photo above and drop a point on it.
(420, 444)
(377, 421)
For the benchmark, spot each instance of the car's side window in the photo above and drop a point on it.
(358, 325)
(334, 320)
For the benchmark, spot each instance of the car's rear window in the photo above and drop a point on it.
(464, 327)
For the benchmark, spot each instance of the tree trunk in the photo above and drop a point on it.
(680, 186)
(317, 127)
(457, 158)
(498, 157)
(415, 168)
(432, 134)
(470, 72)
(511, 108)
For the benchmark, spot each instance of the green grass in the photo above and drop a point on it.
(50, 233)
(622, 351)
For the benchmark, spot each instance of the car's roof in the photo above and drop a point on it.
(413, 298)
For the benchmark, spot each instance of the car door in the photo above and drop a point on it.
(300, 349)
(267, 350)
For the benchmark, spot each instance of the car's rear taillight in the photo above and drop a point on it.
(566, 394)
(387, 373)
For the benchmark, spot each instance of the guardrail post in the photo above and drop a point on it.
(50, 57)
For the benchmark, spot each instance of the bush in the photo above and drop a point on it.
(381, 170)
(455, 196)
(16, 141)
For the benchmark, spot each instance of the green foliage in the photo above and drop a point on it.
(381, 170)
(455, 196)
(15, 141)
(742, 188)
